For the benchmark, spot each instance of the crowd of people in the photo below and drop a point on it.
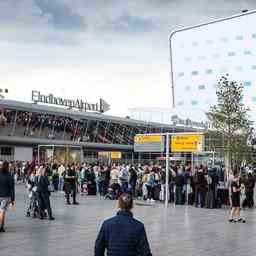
(202, 187)
(199, 187)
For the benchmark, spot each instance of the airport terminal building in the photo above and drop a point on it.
(29, 131)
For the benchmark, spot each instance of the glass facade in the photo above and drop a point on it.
(220, 48)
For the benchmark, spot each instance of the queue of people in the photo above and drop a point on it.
(202, 187)
(146, 182)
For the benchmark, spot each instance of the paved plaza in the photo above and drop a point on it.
(174, 231)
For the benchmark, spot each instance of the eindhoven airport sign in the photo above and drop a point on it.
(38, 97)
(189, 123)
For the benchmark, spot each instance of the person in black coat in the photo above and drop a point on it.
(122, 234)
(133, 180)
(200, 187)
(42, 184)
(7, 192)
(179, 182)
(211, 194)
(70, 179)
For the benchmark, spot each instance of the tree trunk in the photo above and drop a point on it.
(228, 159)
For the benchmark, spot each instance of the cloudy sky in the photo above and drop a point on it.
(117, 50)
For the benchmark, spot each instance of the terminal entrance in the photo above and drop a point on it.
(60, 154)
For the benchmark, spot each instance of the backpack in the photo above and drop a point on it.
(151, 180)
(145, 178)
(124, 175)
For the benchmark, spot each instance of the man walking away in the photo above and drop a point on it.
(122, 234)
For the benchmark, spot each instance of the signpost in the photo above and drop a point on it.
(149, 143)
(187, 143)
(110, 155)
(180, 142)
(116, 155)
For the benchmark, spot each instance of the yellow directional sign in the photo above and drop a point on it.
(115, 155)
(148, 138)
(187, 143)
(112, 154)
(148, 143)
(103, 154)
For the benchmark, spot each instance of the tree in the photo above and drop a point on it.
(230, 118)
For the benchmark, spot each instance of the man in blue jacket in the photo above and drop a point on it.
(123, 235)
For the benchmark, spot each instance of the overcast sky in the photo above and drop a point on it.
(117, 50)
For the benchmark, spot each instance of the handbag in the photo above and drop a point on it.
(13, 207)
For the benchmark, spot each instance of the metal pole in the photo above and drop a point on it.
(38, 154)
(15, 122)
(109, 158)
(53, 149)
(81, 154)
(172, 78)
(192, 163)
(167, 169)
(192, 173)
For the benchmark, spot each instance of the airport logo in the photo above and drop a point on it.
(190, 123)
(38, 97)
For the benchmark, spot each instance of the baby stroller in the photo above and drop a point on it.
(33, 207)
(84, 188)
(114, 191)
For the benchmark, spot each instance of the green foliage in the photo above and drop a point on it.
(230, 117)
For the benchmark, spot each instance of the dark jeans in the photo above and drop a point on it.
(171, 192)
(102, 188)
(124, 186)
(70, 189)
(133, 188)
(200, 197)
(150, 192)
(44, 203)
(179, 199)
(55, 184)
(248, 202)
